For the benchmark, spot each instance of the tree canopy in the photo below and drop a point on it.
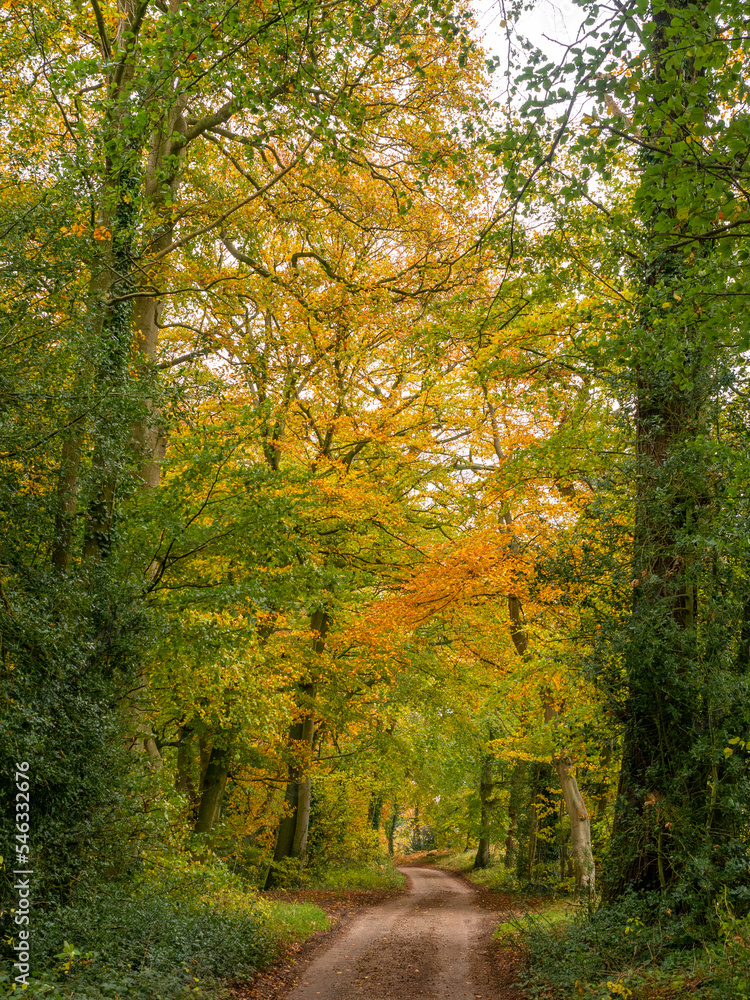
(374, 460)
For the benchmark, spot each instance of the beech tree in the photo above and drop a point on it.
(364, 432)
(109, 212)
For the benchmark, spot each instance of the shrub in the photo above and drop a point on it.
(638, 949)
(180, 927)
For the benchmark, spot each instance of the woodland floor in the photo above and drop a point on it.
(432, 941)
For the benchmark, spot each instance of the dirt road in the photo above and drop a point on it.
(432, 942)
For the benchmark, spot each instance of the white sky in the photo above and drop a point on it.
(556, 19)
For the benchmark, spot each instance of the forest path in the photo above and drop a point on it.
(433, 942)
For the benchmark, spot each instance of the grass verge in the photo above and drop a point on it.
(496, 877)
(379, 874)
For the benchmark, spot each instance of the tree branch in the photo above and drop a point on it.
(102, 28)
(209, 227)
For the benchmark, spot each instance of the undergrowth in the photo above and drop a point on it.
(378, 874)
(345, 873)
(177, 930)
(496, 877)
(637, 949)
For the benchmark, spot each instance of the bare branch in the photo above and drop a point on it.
(209, 227)
(243, 258)
(163, 365)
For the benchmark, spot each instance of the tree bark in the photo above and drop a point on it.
(184, 783)
(563, 859)
(304, 792)
(662, 713)
(67, 490)
(212, 793)
(374, 811)
(533, 834)
(163, 171)
(204, 749)
(391, 827)
(285, 832)
(580, 826)
(514, 806)
(292, 835)
(486, 788)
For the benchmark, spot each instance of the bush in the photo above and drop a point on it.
(637, 949)
(463, 862)
(71, 652)
(179, 928)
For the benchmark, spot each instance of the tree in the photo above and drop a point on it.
(110, 216)
(662, 130)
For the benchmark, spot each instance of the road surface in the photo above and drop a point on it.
(432, 942)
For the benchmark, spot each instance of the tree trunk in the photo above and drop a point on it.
(67, 500)
(671, 375)
(514, 806)
(533, 833)
(285, 832)
(486, 788)
(292, 833)
(304, 792)
(291, 838)
(374, 810)
(580, 826)
(184, 783)
(391, 827)
(563, 859)
(212, 793)
(204, 747)
(121, 326)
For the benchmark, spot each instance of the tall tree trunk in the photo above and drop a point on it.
(486, 789)
(416, 840)
(285, 831)
(292, 834)
(304, 789)
(580, 826)
(564, 859)
(212, 792)
(116, 327)
(106, 325)
(163, 171)
(514, 805)
(184, 782)
(671, 373)
(204, 749)
(533, 831)
(391, 826)
(374, 810)
(67, 499)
